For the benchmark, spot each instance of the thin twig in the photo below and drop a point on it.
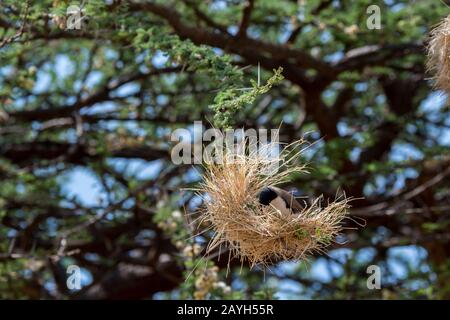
(19, 33)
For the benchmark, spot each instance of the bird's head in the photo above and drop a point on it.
(266, 196)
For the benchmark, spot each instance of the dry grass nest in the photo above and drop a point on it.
(439, 55)
(261, 234)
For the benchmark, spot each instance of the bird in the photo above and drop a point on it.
(280, 199)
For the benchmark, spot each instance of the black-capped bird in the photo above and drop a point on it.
(280, 199)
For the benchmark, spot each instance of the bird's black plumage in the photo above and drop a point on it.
(266, 196)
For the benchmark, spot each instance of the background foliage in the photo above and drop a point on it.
(85, 123)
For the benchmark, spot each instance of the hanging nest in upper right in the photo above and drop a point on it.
(438, 63)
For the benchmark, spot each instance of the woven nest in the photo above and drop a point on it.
(439, 55)
(257, 233)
